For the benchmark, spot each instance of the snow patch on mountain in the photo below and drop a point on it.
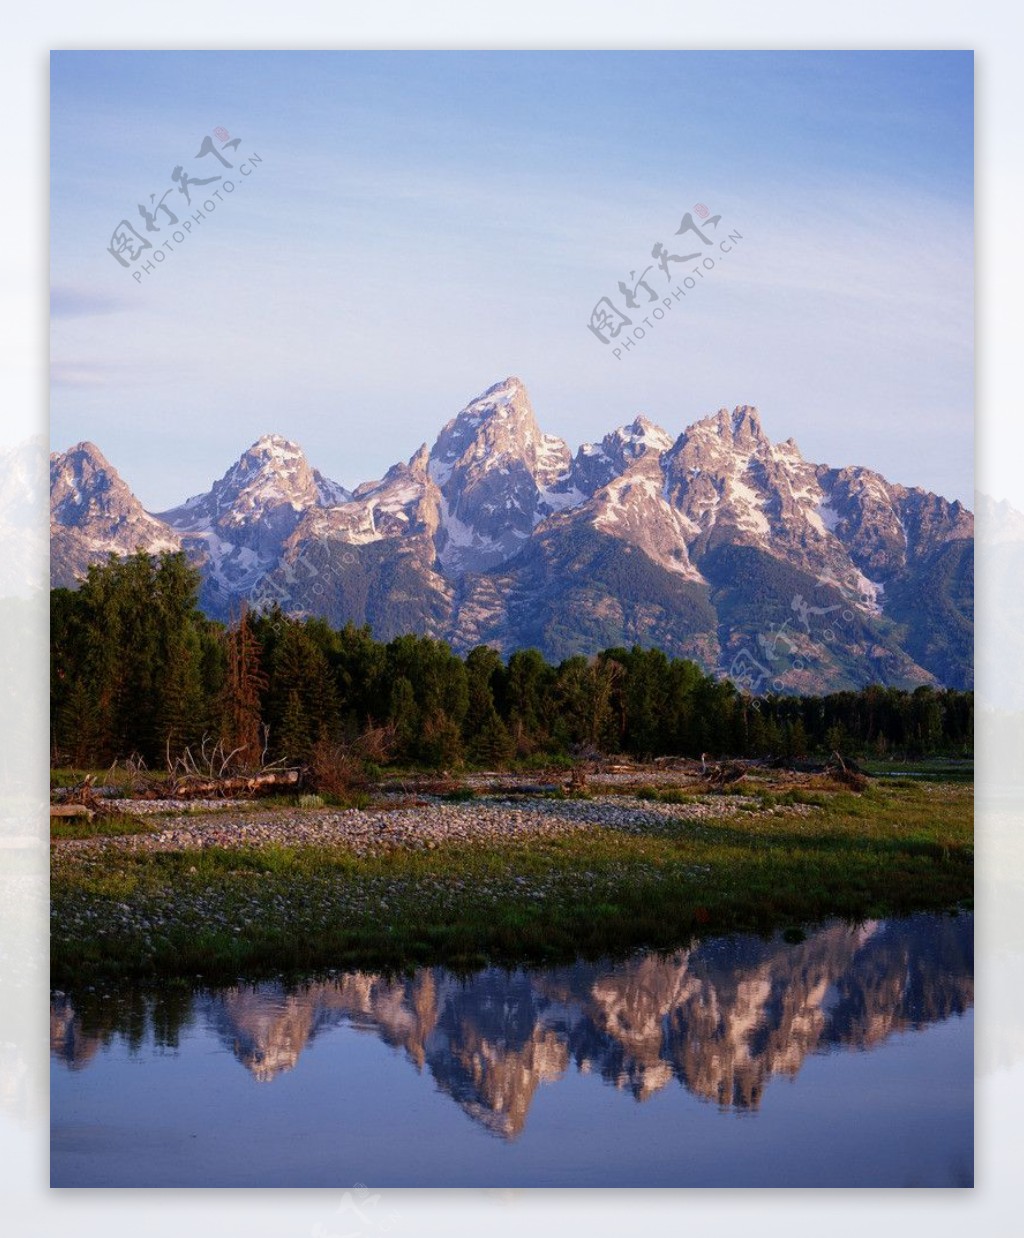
(464, 548)
(747, 506)
(553, 500)
(330, 493)
(827, 517)
(870, 594)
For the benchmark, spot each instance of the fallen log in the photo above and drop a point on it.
(215, 788)
(806, 765)
(82, 801)
(71, 810)
(525, 788)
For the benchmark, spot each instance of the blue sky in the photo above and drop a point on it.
(424, 224)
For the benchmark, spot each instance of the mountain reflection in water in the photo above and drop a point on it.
(722, 1017)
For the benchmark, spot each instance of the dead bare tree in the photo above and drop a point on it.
(848, 773)
(208, 772)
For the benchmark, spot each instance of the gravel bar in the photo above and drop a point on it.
(370, 830)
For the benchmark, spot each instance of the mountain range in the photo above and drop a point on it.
(716, 544)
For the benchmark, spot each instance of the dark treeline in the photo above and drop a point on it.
(138, 670)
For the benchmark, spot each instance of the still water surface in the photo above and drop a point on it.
(845, 1059)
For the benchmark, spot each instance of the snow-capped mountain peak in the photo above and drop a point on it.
(498, 476)
(492, 429)
(275, 446)
(237, 529)
(86, 492)
(640, 436)
(93, 514)
(273, 473)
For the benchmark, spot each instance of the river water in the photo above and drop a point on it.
(843, 1059)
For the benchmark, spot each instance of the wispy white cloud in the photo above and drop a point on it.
(70, 375)
(70, 302)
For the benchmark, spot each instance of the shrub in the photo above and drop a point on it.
(333, 770)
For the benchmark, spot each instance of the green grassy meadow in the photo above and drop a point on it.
(787, 859)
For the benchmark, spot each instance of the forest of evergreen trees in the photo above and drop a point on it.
(138, 670)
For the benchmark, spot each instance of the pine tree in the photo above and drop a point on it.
(404, 717)
(294, 740)
(243, 689)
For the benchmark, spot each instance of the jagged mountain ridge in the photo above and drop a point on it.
(718, 545)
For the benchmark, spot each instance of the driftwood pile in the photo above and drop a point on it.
(87, 800)
(82, 801)
(717, 774)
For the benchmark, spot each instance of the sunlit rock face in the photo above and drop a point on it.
(721, 1019)
(697, 542)
(94, 514)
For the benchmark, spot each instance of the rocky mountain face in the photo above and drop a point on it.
(237, 531)
(722, 1018)
(718, 545)
(94, 514)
